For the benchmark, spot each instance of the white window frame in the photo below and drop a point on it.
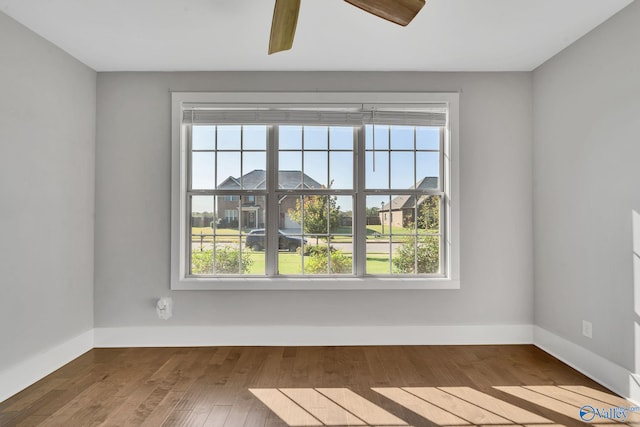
(180, 280)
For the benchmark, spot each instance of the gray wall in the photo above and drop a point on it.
(133, 207)
(587, 182)
(47, 147)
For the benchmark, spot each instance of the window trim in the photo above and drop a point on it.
(450, 169)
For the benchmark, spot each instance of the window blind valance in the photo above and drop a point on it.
(423, 115)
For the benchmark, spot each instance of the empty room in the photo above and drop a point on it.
(294, 213)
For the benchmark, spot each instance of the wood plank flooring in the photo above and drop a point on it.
(305, 386)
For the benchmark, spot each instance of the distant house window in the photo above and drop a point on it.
(230, 214)
(290, 196)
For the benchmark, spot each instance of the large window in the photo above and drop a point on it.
(315, 191)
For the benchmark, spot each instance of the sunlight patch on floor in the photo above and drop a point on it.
(325, 407)
(443, 406)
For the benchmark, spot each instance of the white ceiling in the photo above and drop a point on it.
(447, 35)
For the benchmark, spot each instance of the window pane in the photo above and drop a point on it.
(402, 170)
(378, 255)
(429, 215)
(227, 216)
(403, 236)
(427, 138)
(406, 215)
(228, 170)
(290, 137)
(376, 137)
(428, 166)
(315, 169)
(402, 138)
(290, 169)
(253, 213)
(344, 211)
(254, 137)
(321, 228)
(315, 232)
(228, 258)
(316, 137)
(378, 247)
(341, 167)
(290, 263)
(228, 137)
(225, 256)
(417, 255)
(202, 170)
(202, 218)
(377, 169)
(324, 259)
(256, 239)
(254, 166)
(220, 248)
(203, 137)
(340, 239)
(341, 138)
(291, 242)
(235, 212)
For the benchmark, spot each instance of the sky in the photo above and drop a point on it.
(327, 156)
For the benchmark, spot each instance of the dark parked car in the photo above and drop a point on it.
(255, 240)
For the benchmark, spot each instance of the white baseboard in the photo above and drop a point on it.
(184, 336)
(601, 370)
(21, 375)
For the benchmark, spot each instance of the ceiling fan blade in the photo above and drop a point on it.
(283, 25)
(400, 12)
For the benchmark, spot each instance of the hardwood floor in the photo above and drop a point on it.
(291, 386)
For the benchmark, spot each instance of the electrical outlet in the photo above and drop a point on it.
(587, 329)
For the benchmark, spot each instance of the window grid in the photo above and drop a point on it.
(303, 193)
(233, 195)
(357, 254)
(415, 194)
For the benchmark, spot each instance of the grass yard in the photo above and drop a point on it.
(377, 263)
(290, 263)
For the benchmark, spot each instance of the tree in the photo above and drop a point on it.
(429, 214)
(319, 214)
(372, 211)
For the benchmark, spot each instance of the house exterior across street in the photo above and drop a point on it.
(252, 210)
(401, 210)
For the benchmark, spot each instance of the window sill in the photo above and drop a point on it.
(313, 284)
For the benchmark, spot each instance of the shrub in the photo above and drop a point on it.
(318, 261)
(428, 255)
(227, 261)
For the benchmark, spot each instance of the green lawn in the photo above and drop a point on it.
(377, 263)
(290, 263)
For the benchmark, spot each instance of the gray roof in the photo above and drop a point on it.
(407, 201)
(256, 179)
